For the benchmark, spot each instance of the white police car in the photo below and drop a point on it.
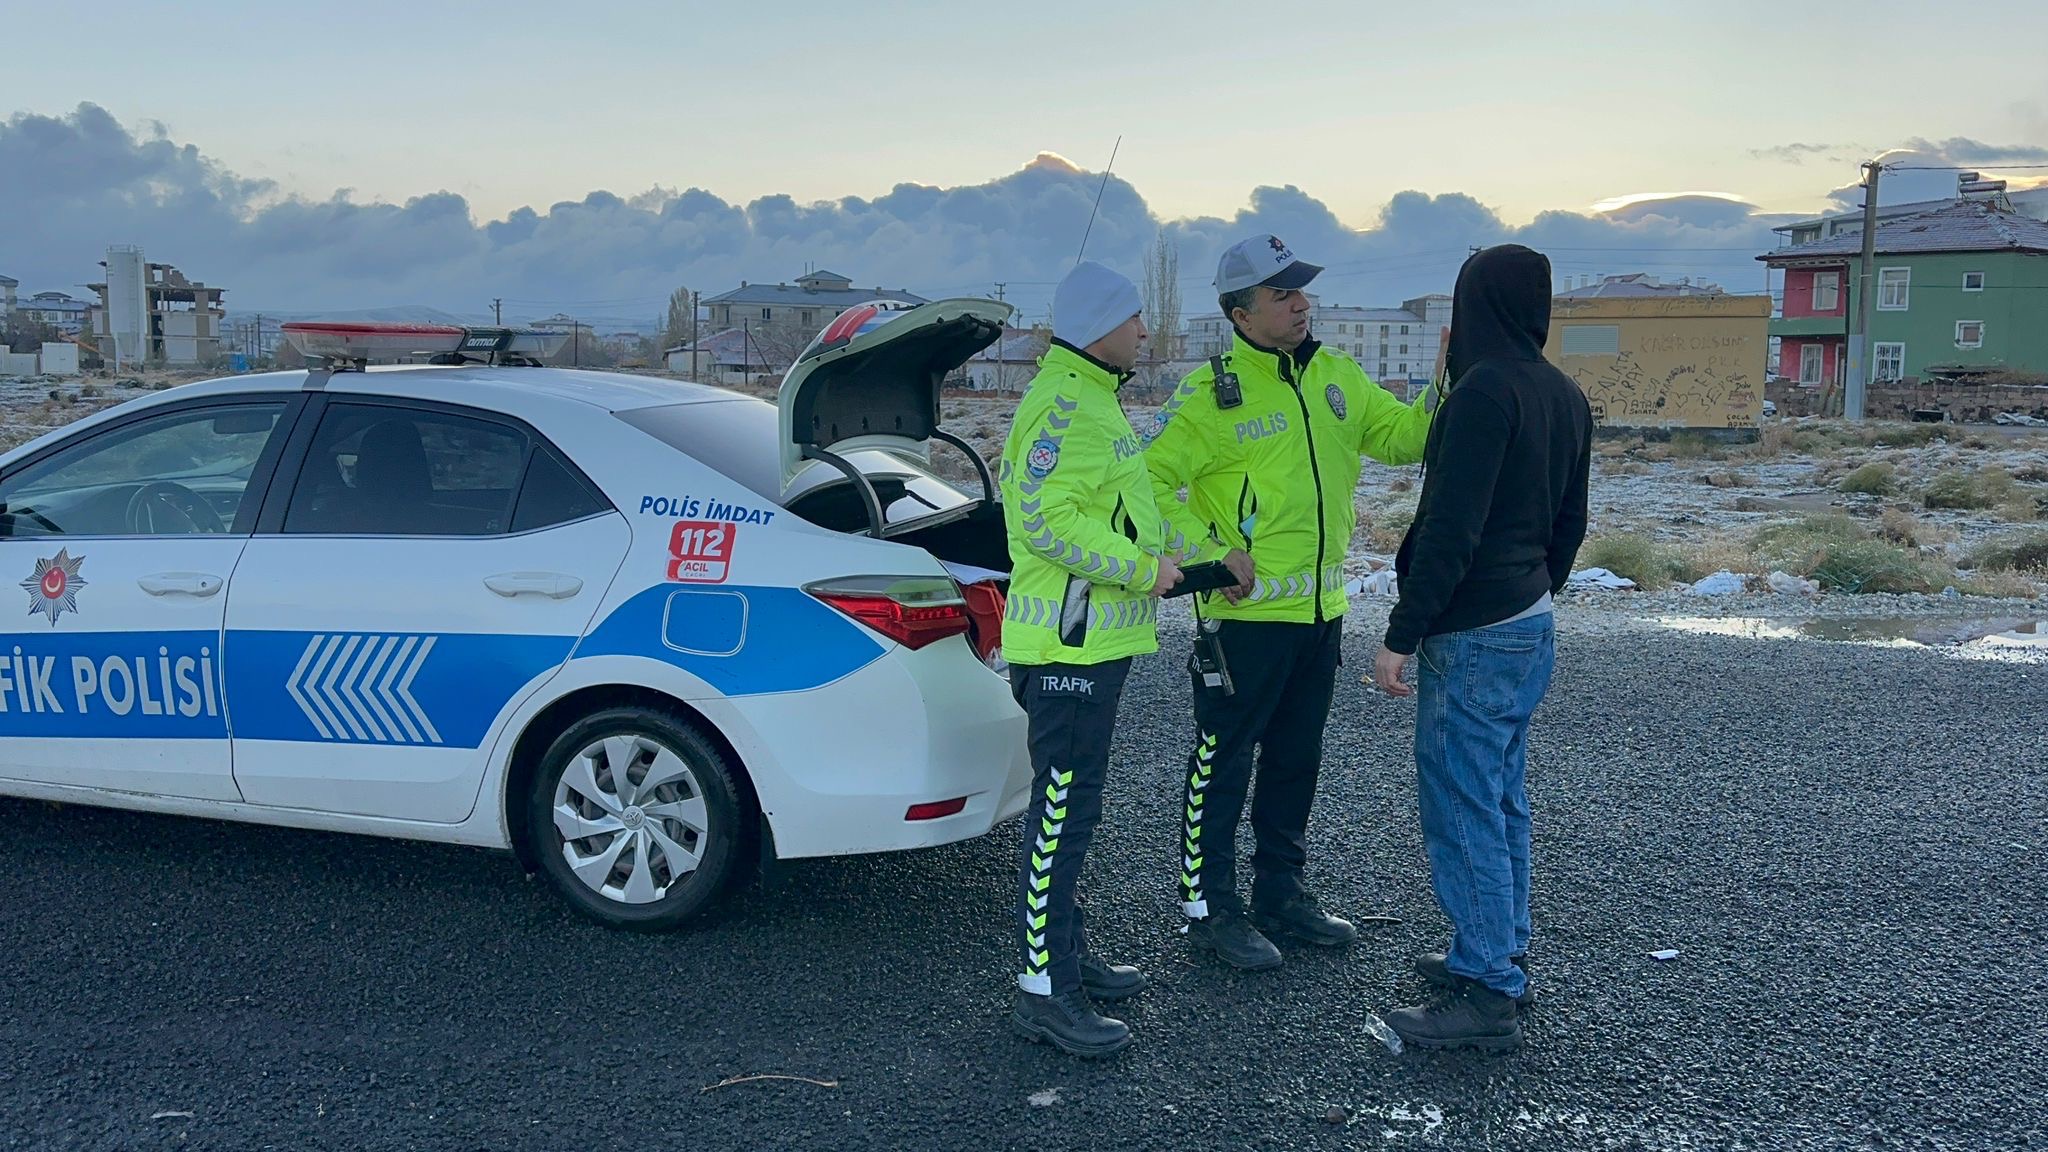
(632, 629)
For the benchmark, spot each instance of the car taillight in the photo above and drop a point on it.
(985, 604)
(911, 610)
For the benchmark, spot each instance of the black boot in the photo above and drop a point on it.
(1231, 936)
(1302, 917)
(1068, 1022)
(1435, 968)
(1107, 982)
(1470, 1015)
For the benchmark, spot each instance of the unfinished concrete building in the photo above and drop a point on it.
(152, 314)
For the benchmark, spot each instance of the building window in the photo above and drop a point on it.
(1383, 333)
(1810, 363)
(807, 317)
(1404, 349)
(1894, 289)
(1827, 291)
(1973, 281)
(1891, 361)
(1404, 329)
(1383, 368)
(1969, 333)
(767, 313)
(1404, 369)
(1590, 340)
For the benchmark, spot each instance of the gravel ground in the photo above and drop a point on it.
(1857, 908)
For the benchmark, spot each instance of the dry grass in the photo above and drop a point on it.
(1957, 490)
(1635, 557)
(2002, 585)
(1839, 554)
(1877, 479)
(1907, 530)
(2013, 552)
(1384, 527)
(1697, 561)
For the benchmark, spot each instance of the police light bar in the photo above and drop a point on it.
(356, 345)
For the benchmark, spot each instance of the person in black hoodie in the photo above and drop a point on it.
(1501, 518)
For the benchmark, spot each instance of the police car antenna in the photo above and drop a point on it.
(1098, 200)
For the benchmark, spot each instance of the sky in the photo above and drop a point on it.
(594, 156)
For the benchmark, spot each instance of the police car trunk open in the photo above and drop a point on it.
(641, 633)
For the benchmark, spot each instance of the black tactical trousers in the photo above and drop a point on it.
(1073, 713)
(1284, 675)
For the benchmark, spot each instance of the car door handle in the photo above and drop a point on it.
(552, 585)
(180, 584)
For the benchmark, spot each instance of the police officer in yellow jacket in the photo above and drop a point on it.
(1266, 440)
(1087, 567)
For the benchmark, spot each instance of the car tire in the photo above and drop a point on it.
(655, 856)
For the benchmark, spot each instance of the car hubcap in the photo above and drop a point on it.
(632, 819)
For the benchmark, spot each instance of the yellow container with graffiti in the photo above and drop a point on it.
(1684, 362)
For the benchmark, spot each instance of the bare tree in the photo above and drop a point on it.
(1162, 306)
(776, 344)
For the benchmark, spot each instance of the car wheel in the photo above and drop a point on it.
(638, 820)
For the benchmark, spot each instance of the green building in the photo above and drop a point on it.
(1960, 290)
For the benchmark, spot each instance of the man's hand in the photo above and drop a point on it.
(1169, 575)
(1240, 564)
(1386, 673)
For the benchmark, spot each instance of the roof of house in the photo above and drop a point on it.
(1957, 226)
(824, 274)
(1637, 285)
(797, 295)
(10, 282)
(2028, 196)
(1018, 345)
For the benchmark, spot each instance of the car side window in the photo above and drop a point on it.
(387, 470)
(177, 474)
(554, 493)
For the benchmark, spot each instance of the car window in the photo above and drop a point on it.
(740, 439)
(385, 470)
(176, 474)
(553, 493)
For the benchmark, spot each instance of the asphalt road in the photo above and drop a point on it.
(1845, 844)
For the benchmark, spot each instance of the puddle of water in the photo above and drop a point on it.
(1889, 632)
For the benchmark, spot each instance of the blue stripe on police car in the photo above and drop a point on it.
(111, 685)
(412, 689)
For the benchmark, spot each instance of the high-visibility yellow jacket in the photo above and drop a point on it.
(1275, 474)
(1085, 535)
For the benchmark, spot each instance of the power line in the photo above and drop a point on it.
(1963, 167)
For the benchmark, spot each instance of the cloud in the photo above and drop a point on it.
(1964, 150)
(1922, 169)
(1800, 153)
(88, 182)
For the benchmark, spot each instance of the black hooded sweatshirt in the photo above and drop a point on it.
(1503, 508)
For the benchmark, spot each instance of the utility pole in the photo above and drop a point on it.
(498, 311)
(1860, 359)
(576, 343)
(693, 337)
(1000, 286)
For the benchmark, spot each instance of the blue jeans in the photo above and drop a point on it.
(1476, 692)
